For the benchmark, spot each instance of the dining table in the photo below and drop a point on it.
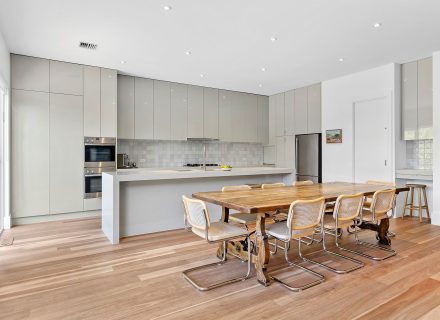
(264, 202)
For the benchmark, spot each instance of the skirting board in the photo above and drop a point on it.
(56, 217)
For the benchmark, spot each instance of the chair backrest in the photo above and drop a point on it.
(383, 183)
(235, 188)
(382, 202)
(196, 213)
(302, 183)
(272, 185)
(305, 215)
(348, 206)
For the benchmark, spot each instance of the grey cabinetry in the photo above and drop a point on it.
(109, 91)
(125, 107)
(272, 120)
(143, 108)
(179, 111)
(263, 120)
(66, 153)
(28, 73)
(409, 101)
(66, 78)
(210, 113)
(195, 112)
(30, 153)
(92, 101)
(301, 96)
(162, 110)
(289, 113)
(279, 100)
(424, 98)
(314, 108)
(226, 115)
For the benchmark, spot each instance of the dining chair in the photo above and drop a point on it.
(382, 202)
(347, 209)
(213, 232)
(272, 185)
(303, 217)
(302, 183)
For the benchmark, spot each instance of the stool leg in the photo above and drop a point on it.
(426, 203)
(411, 207)
(404, 206)
(420, 204)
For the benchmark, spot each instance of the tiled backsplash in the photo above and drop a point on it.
(419, 154)
(168, 154)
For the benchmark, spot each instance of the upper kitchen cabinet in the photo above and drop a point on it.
(279, 100)
(195, 112)
(245, 121)
(272, 120)
(109, 91)
(417, 100)
(300, 107)
(92, 101)
(289, 113)
(263, 120)
(125, 107)
(210, 113)
(179, 111)
(314, 108)
(28, 73)
(66, 78)
(143, 108)
(162, 110)
(226, 115)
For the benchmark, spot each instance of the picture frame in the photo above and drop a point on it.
(333, 136)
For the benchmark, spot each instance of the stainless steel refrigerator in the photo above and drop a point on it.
(308, 157)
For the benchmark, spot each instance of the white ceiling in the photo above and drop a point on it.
(229, 39)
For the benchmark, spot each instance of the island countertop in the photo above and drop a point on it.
(143, 174)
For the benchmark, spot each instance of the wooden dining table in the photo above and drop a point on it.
(264, 201)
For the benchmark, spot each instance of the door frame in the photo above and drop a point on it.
(391, 123)
(5, 153)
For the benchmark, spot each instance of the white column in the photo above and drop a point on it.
(435, 214)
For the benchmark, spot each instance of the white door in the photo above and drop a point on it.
(372, 135)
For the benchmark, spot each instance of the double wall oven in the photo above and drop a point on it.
(99, 157)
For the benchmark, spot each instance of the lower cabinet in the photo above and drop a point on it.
(66, 153)
(285, 152)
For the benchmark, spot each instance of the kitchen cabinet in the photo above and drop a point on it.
(143, 108)
(29, 73)
(244, 121)
(300, 107)
(92, 101)
(289, 113)
(314, 108)
(226, 115)
(179, 111)
(30, 153)
(109, 90)
(162, 110)
(272, 120)
(417, 99)
(66, 78)
(279, 98)
(285, 152)
(125, 107)
(210, 113)
(195, 112)
(263, 120)
(66, 153)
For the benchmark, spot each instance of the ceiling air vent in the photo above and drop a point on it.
(88, 45)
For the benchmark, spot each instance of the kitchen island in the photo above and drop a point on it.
(141, 201)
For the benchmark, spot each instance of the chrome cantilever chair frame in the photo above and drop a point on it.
(222, 261)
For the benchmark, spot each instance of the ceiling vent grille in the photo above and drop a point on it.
(88, 45)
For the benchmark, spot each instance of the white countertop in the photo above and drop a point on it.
(414, 174)
(141, 174)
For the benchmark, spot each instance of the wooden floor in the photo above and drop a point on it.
(68, 270)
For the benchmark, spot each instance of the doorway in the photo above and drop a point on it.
(372, 140)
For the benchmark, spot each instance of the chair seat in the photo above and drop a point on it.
(221, 230)
(280, 231)
(243, 218)
(330, 223)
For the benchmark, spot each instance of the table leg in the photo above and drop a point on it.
(381, 229)
(263, 250)
(225, 214)
(224, 218)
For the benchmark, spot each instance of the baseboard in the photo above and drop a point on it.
(56, 217)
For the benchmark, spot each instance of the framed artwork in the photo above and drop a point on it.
(333, 136)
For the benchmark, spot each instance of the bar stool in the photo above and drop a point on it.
(420, 189)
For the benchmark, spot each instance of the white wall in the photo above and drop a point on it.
(435, 214)
(5, 68)
(338, 97)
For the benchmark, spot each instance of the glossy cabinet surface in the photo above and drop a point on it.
(162, 110)
(279, 100)
(409, 101)
(125, 107)
(210, 113)
(314, 108)
(143, 108)
(272, 120)
(66, 78)
(29, 73)
(289, 113)
(263, 120)
(195, 112)
(179, 111)
(424, 98)
(301, 97)
(109, 84)
(92, 101)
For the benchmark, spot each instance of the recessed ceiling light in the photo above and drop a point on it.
(260, 85)
(263, 69)
(123, 62)
(377, 25)
(273, 39)
(167, 8)
(341, 59)
(202, 75)
(188, 53)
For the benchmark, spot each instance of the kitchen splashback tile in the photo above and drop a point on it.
(419, 154)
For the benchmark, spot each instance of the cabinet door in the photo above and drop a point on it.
(424, 99)
(272, 120)
(66, 153)
(66, 78)
(289, 113)
(143, 108)
(263, 120)
(30, 153)
(409, 101)
(314, 108)
(28, 73)
(210, 113)
(125, 107)
(301, 110)
(289, 152)
(162, 110)
(281, 152)
(195, 112)
(226, 114)
(92, 101)
(179, 111)
(245, 114)
(109, 92)
(280, 114)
